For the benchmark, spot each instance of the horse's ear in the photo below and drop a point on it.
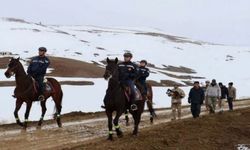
(116, 60)
(18, 58)
(108, 60)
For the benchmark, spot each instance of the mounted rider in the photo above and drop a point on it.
(128, 72)
(37, 69)
(143, 74)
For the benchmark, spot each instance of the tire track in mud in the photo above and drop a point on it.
(52, 137)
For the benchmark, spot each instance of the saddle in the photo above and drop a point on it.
(138, 95)
(48, 86)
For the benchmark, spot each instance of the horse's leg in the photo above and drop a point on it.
(27, 113)
(44, 109)
(137, 116)
(58, 104)
(126, 118)
(110, 125)
(18, 106)
(150, 108)
(116, 123)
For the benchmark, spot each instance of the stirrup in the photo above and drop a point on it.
(41, 98)
(104, 107)
(133, 107)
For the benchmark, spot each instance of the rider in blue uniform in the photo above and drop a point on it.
(128, 72)
(37, 69)
(143, 74)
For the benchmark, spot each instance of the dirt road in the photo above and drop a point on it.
(76, 131)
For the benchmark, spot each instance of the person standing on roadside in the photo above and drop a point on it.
(231, 95)
(224, 96)
(205, 89)
(196, 97)
(213, 94)
(177, 94)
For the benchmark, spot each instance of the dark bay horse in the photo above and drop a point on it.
(116, 101)
(149, 102)
(25, 91)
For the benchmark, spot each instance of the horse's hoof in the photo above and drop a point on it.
(154, 115)
(39, 127)
(135, 133)
(20, 124)
(39, 123)
(110, 138)
(119, 134)
(151, 120)
(59, 125)
(24, 129)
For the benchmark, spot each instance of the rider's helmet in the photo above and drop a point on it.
(42, 49)
(128, 54)
(144, 61)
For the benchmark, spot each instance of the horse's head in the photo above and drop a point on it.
(110, 68)
(12, 67)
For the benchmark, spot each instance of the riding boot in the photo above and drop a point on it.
(41, 97)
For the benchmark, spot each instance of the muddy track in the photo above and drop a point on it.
(78, 131)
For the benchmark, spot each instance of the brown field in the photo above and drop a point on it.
(65, 67)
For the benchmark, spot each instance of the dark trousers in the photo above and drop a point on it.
(142, 86)
(41, 84)
(195, 109)
(230, 103)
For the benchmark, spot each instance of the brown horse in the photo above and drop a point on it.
(149, 101)
(25, 91)
(116, 101)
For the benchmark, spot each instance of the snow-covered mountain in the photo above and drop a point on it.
(171, 58)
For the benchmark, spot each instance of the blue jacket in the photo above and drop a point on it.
(143, 74)
(127, 71)
(224, 92)
(38, 66)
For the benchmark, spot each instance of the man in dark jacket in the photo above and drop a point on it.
(37, 69)
(143, 74)
(224, 96)
(128, 72)
(196, 97)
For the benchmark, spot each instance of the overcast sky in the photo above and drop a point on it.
(220, 21)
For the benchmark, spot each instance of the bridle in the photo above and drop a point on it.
(109, 73)
(11, 70)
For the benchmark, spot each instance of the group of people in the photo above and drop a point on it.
(211, 94)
